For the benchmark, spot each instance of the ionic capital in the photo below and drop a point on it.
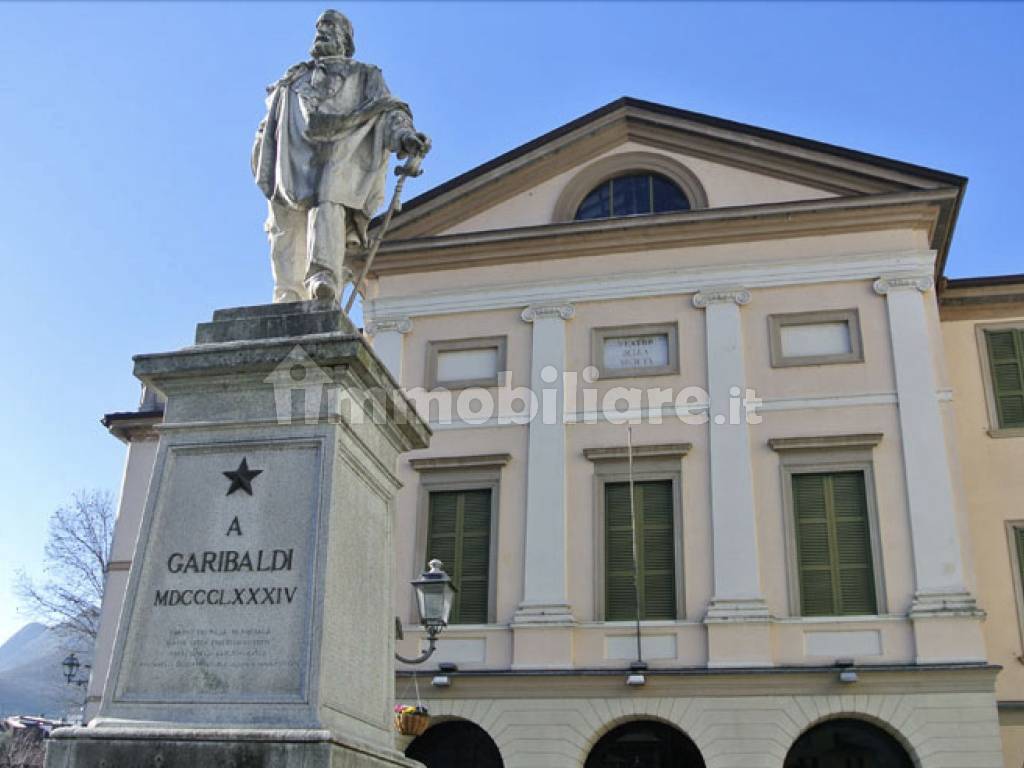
(721, 295)
(389, 324)
(889, 283)
(550, 311)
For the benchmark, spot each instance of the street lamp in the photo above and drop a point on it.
(71, 665)
(434, 595)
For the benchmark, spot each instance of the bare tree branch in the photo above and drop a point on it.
(76, 556)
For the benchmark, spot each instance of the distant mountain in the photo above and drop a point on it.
(31, 677)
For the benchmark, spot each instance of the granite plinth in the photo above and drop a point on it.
(234, 748)
(271, 321)
(241, 641)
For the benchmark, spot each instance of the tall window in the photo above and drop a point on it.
(459, 535)
(630, 195)
(1006, 364)
(655, 551)
(833, 540)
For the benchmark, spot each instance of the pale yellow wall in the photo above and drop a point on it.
(874, 377)
(725, 186)
(994, 489)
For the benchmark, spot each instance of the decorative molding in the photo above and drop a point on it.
(440, 463)
(550, 311)
(889, 283)
(610, 166)
(620, 453)
(825, 442)
(943, 605)
(918, 211)
(389, 324)
(721, 295)
(663, 282)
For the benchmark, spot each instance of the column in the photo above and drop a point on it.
(737, 616)
(387, 332)
(543, 621)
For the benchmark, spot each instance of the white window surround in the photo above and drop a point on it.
(994, 430)
(1012, 526)
(829, 453)
(475, 362)
(458, 473)
(650, 462)
(819, 350)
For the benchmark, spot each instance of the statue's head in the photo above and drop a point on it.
(333, 35)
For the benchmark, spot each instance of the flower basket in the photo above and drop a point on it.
(411, 721)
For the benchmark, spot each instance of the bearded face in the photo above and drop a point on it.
(331, 38)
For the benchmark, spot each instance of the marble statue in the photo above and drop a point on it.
(320, 157)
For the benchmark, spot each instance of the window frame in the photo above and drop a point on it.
(829, 454)
(662, 462)
(776, 322)
(599, 335)
(1012, 527)
(437, 346)
(459, 473)
(991, 407)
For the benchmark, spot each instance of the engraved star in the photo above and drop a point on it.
(242, 478)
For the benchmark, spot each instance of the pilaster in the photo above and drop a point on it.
(941, 593)
(543, 621)
(387, 332)
(737, 617)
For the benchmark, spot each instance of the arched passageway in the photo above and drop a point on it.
(847, 743)
(455, 744)
(645, 744)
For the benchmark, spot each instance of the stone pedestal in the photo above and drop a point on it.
(257, 626)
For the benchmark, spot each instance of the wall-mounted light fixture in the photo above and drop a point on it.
(434, 595)
(847, 674)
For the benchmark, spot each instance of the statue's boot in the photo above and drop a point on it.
(322, 286)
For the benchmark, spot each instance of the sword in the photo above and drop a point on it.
(403, 172)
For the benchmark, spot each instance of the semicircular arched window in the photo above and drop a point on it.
(632, 194)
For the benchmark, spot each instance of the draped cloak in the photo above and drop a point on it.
(330, 125)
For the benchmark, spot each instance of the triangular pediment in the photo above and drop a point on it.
(718, 163)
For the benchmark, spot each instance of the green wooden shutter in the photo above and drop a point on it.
(833, 540)
(459, 535)
(1006, 363)
(655, 551)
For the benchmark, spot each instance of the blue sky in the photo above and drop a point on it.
(130, 214)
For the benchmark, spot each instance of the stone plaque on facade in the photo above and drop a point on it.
(643, 351)
(224, 603)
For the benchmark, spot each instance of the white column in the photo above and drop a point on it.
(737, 584)
(387, 332)
(545, 599)
(938, 564)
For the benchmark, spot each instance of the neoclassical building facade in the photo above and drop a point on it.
(723, 467)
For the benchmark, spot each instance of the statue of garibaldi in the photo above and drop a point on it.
(321, 156)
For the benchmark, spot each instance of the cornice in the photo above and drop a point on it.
(621, 452)
(634, 284)
(441, 463)
(808, 218)
(824, 442)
